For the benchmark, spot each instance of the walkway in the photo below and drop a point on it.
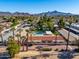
(72, 36)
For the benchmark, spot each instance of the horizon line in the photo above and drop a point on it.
(37, 12)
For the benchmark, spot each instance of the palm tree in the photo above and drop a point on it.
(70, 21)
(13, 30)
(13, 26)
(55, 32)
(18, 37)
(23, 39)
(1, 29)
(61, 22)
(77, 42)
(27, 33)
(10, 38)
(20, 30)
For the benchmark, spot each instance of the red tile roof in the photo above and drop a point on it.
(47, 37)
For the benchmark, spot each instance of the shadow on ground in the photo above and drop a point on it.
(65, 55)
(4, 55)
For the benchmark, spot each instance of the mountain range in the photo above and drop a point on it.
(14, 14)
(52, 13)
(55, 13)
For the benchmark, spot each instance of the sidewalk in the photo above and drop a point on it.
(72, 36)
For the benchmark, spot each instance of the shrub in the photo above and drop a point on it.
(56, 49)
(13, 48)
(61, 50)
(46, 49)
(30, 44)
(76, 50)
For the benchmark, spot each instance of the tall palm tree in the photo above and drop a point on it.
(13, 30)
(10, 38)
(18, 37)
(55, 32)
(68, 38)
(1, 29)
(61, 22)
(77, 42)
(27, 33)
(70, 21)
(13, 25)
(20, 30)
(23, 41)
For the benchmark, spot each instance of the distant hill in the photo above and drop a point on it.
(5, 14)
(20, 14)
(13, 14)
(54, 13)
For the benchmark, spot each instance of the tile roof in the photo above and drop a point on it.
(46, 37)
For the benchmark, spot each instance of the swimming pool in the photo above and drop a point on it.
(39, 33)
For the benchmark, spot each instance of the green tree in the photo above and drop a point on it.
(13, 26)
(19, 38)
(23, 39)
(13, 47)
(70, 21)
(27, 34)
(45, 23)
(13, 30)
(61, 22)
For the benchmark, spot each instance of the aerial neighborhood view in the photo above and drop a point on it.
(39, 29)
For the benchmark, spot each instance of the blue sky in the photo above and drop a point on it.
(38, 6)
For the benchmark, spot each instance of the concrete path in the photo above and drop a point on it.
(72, 36)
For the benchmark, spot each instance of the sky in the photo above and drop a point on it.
(38, 6)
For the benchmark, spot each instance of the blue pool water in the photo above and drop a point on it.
(39, 33)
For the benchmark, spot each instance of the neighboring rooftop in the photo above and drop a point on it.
(48, 33)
